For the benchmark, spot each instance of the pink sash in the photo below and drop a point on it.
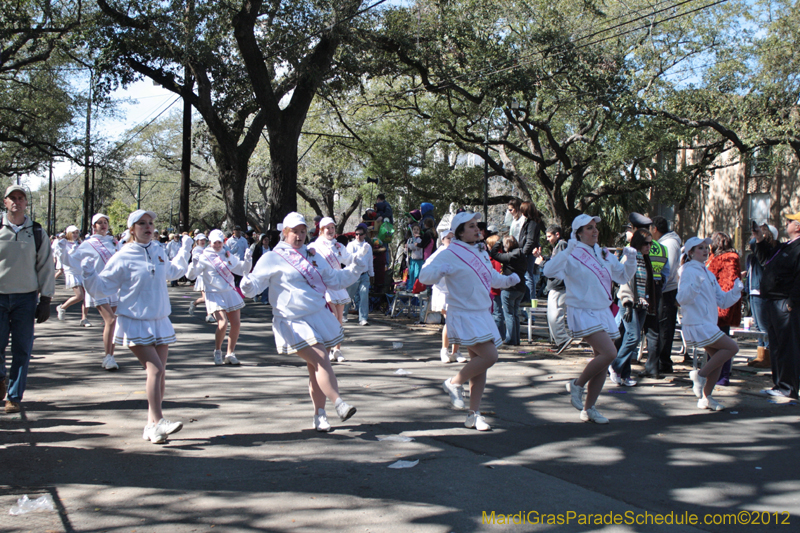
(101, 249)
(331, 258)
(302, 265)
(220, 266)
(475, 263)
(590, 261)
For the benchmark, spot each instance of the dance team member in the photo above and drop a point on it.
(139, 272)
(217, 266)
(699, 296)
(200, 244)
(469, 274)
(439, 300)
(587, 271)
(98, 249)
(72, 275)
(302, 323)
(336, 254)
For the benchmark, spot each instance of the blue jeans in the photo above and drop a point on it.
(17, 314)
(630, 343)
(359, 293)
(532, 278)
(497, 314)
(511, 300)
(265, 296)
(760, 318)
(414, 266)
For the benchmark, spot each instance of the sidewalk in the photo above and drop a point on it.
(247, 459)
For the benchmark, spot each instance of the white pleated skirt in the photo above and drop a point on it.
(132, 332)
(223, 301)
(438, 300)
(71, 280)
(701, 335)
(199, 286)
(584, 322)
(295, 334)
(113, 301)
(468, 328)
(339, 297)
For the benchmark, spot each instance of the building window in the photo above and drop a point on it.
(759, 205)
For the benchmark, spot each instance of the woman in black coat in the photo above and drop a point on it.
(513, 261)
(529, 237)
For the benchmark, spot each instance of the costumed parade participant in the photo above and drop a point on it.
(139, 273)
(297, 280)
(72, 275)
(587, 271)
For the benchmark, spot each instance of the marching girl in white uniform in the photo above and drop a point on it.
(200, 243)
(297, 279)
(72, 275)
(699, 296)
(439, 299)
(469, 274)
(216, 266)
(587, 271)
(336, 254)
(139, 272)
(98, 249)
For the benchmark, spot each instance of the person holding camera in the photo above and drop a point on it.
(637, 299)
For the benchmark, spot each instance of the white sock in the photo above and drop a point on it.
(338, 401)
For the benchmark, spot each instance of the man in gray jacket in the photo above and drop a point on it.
(27, 284)
(668, 307)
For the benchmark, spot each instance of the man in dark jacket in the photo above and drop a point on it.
(780, 291)
(514, 262)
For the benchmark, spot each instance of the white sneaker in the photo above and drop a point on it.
(211, 319)
(345, 410)
(170, 427)
(459, 357)
(147, 430)
(191, 308)
(344, 318)
(217, 357)
(444, 355)
(698, 383)
(456, 394)
(85, 323)
(109, 363)
(331, 356)
(336, 354)
(158, 433)
(709, 403)
(576, 395)
(593, 415)
(628, 382)
(321, 421)
(62, 313)
(230, 359)
(476, 420)
(363, 323)
(614, 376)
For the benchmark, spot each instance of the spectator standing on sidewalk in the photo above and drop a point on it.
(667, 307)
(27, 273)
(725, 265)
(755, 271)
(780, 291)
(556, 293)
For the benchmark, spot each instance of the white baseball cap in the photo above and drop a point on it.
(200, 237)
(327, 221)
(70, 229)
(134, 217)
(580, 221)
(293, 219)
(462, 218)
(98, 216)
(215, 236)
(695, 241)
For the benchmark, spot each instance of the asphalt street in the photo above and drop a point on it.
(249, 460)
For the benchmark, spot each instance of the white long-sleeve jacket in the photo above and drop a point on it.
(465, 291)
(73, 269)
(699, 295)
(584, 289)
(87, 250)
(290, 294)
(328, 247)
(354, 248)
(212, 280)
(140, 273)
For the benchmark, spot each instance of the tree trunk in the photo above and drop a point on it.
(232, 184)
(283, 167)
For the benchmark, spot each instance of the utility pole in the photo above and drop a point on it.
(50, 199)
(87, 216)
(139, 192)
(186, 150)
